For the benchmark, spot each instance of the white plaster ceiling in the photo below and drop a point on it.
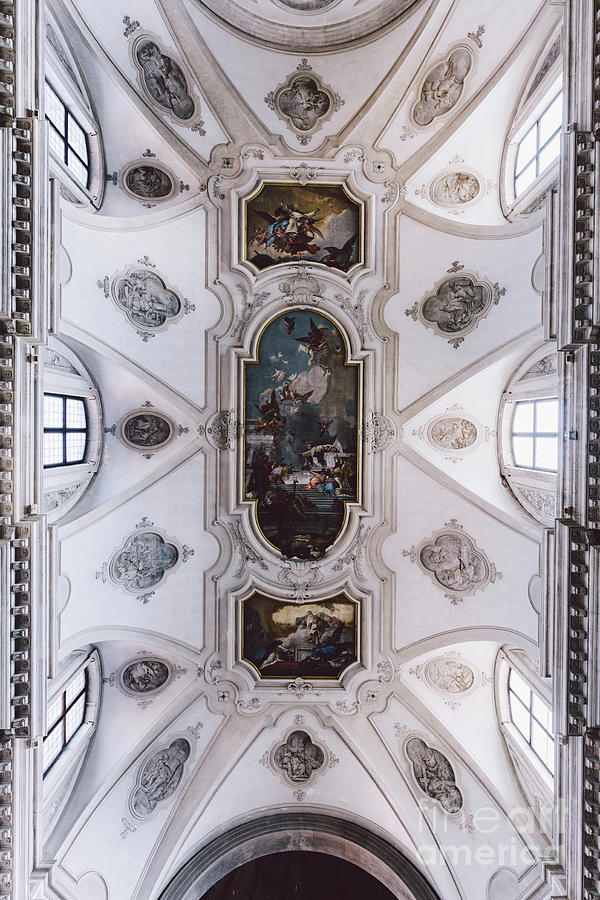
(189, 371)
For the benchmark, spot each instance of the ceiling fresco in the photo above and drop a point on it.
(301, 301)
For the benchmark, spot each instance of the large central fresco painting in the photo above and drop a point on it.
(301, 432)
(286, 640)
(290, 223)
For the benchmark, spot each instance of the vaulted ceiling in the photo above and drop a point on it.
(374, 57)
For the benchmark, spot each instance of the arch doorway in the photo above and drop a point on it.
(298, 876)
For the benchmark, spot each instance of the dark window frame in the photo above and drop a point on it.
(61, 721)
(65, 137)
(65, 431)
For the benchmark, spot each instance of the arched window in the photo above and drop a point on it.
(524, 705)
(66, 715)
(71, 717)
(72, 441)
(76, 158)
(532, 146)
(532, 717)
(535, 434)
(65, 430)
(67, 139)
(539, 147)
(529, 424)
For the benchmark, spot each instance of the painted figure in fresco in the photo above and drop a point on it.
(434, 775)
(148, 182)
(160, 777)
(301, 437)
(147, 430)
(442, 87)
(304, 103)
(143, 561)
(454, 562)
(282, 639)
(456, 305)
(291, 222)
(145, 298)
(145, 675)
(164, 80)
(298, 757)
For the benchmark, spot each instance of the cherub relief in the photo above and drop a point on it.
(442, 87)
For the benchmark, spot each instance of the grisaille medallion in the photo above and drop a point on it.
(449, 675)
(146, 430)
(146, 182)
(159, 777)
(452, 433)
(142, 294)
(434, 775)
(453, 189)
(298, 757)
(300, 463)
(143, 561)
(163, 79)
(145, 675)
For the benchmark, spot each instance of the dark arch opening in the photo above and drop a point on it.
(300, 831)
(298, 875)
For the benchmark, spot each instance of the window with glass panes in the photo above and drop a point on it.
(540, 146)
(65, 716)
(65, 430)
(535, 434)
(67, 138)
(532, 718)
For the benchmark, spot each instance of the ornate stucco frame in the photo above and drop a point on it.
(137, 39)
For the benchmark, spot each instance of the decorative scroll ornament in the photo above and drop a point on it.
(146, 299)
(379, 432)
(300, 575)
(434, 775)
(456, 305)
(301, 289)
(304, 102)
(252, 303)
(442, 87)
(159, 777)
(298, 759)
(454, 562)
(543, 502)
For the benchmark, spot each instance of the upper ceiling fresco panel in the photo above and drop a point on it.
(304, 26)
(303, 96)
(143, 53)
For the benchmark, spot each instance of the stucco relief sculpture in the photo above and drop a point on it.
(159, 777)
(448, 675)
(434, 775)
(293, 222)
(454, 562)
(452, 433)
(298, 757)
(148, 182)
(163, 79)
(442, 87)
(146, 675)
(455, 189)
(303, 102)
(456, 305)
(143, 561)
(146, 430)
(285, 639)
(300, 464)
